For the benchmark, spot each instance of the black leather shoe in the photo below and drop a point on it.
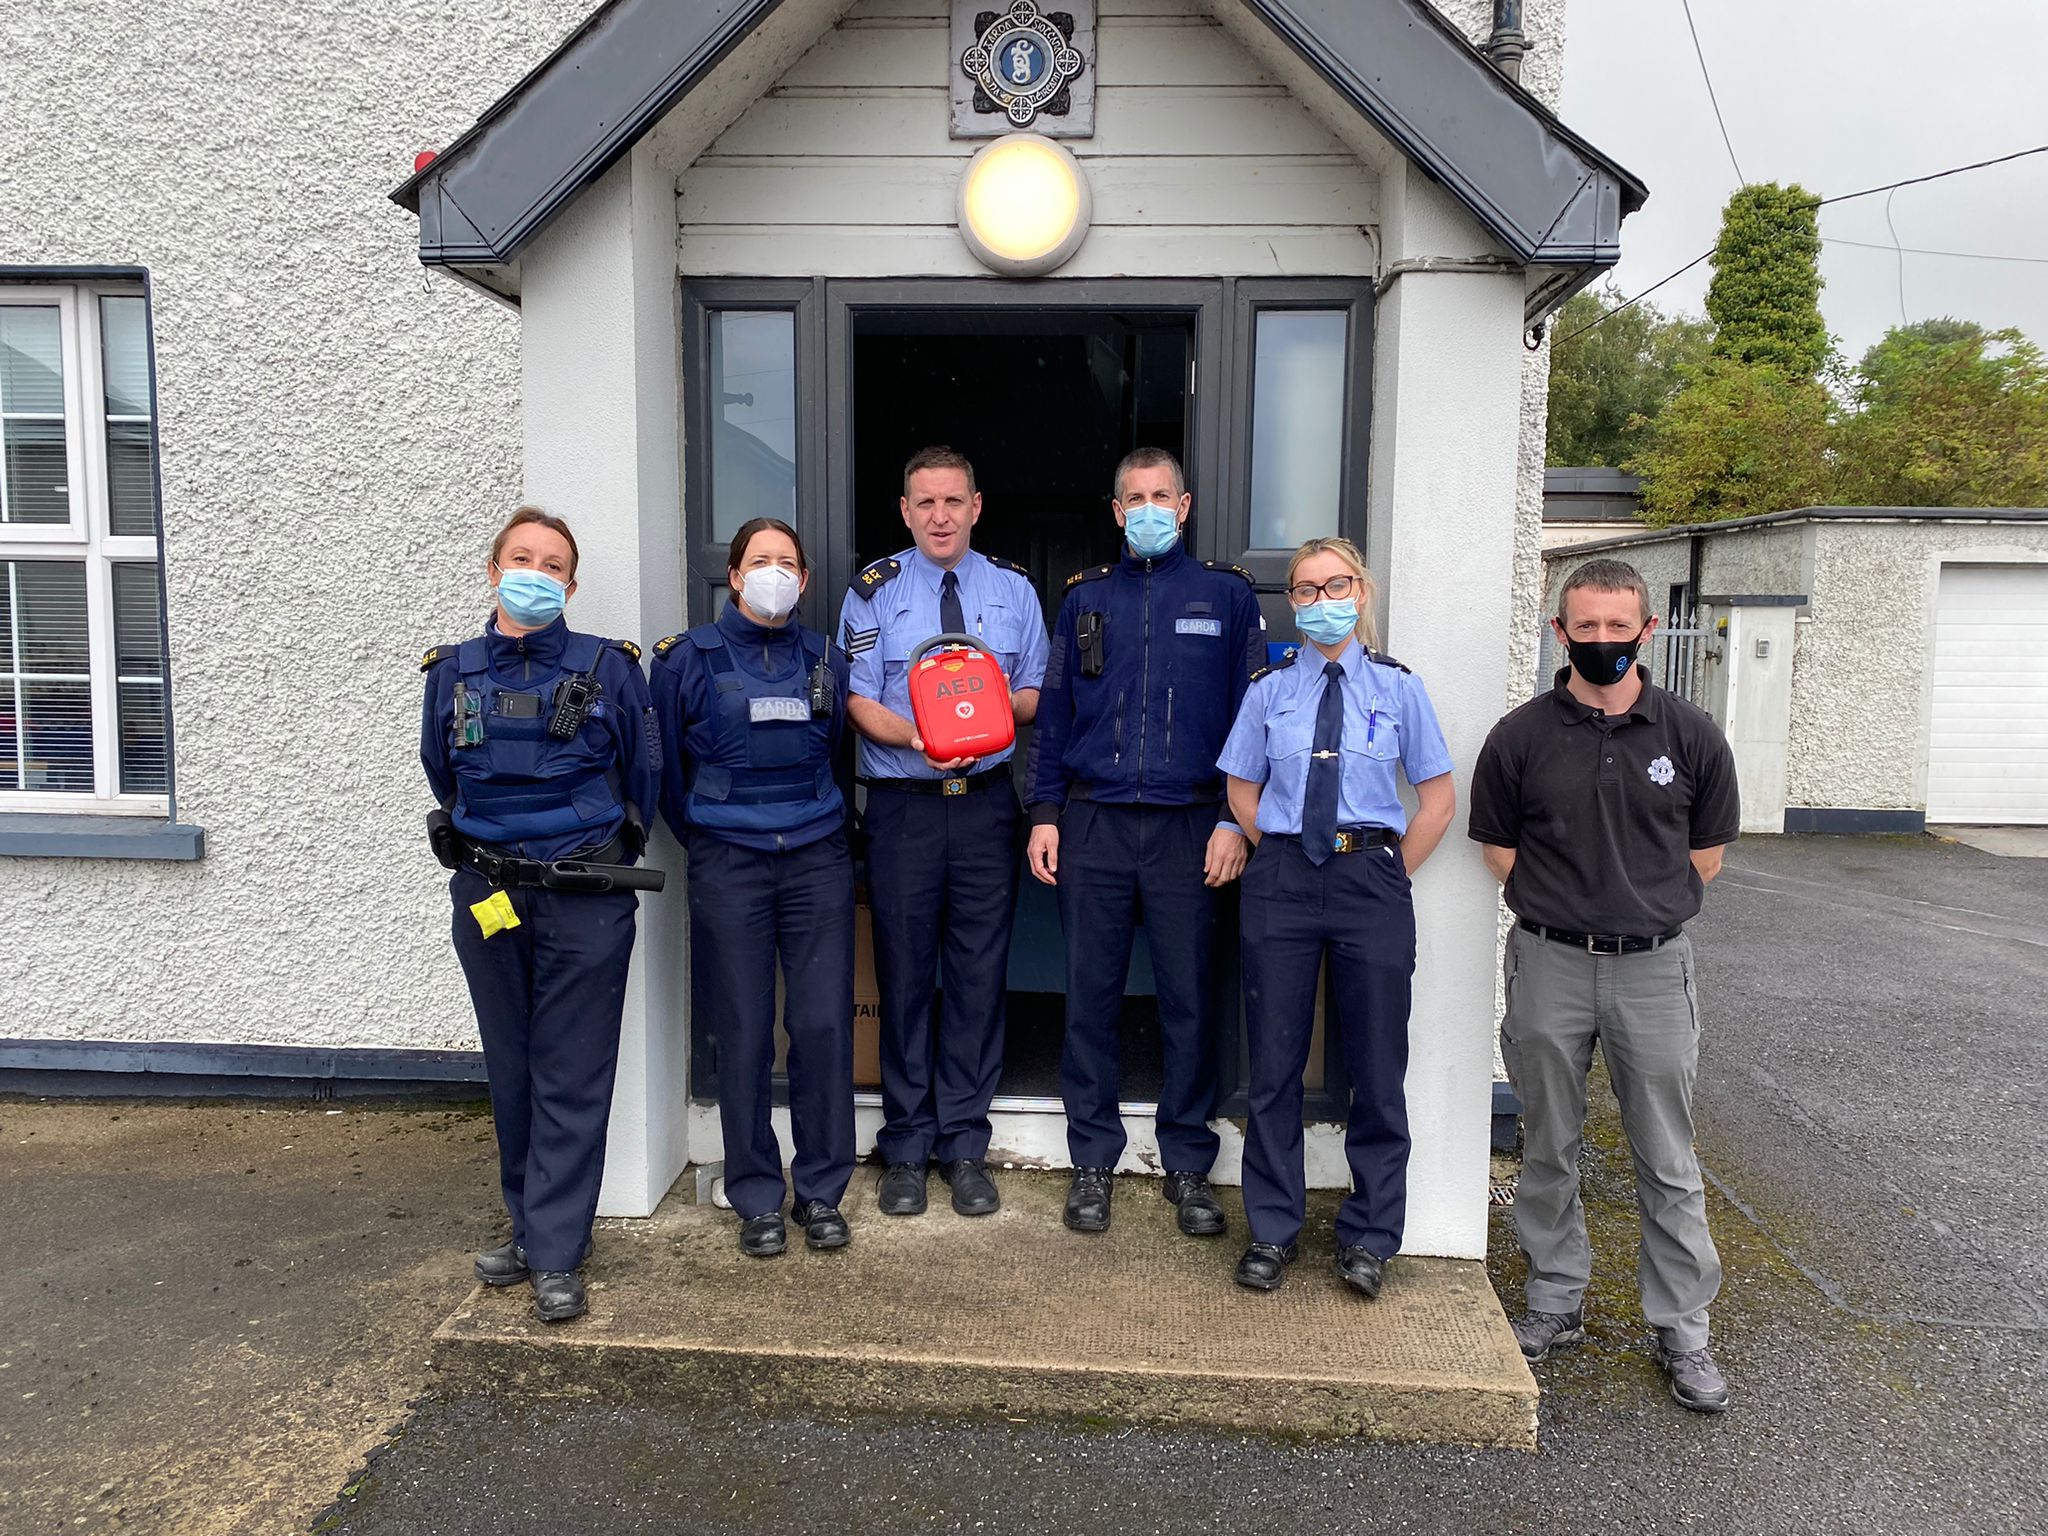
(1360, 1270)
(763, 1236)
(823, 1226)
(1200, 1215)
(902, 1190)
(558, 1295)
(1088, 1200)
(503, 1265)
(1264, 1265)
(974, 1192)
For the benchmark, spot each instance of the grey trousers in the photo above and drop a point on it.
(1644, 1011)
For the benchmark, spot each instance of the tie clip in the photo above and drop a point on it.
(1322, 754)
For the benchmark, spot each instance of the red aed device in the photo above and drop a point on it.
(959, 699)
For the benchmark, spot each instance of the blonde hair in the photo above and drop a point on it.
(1367, 632)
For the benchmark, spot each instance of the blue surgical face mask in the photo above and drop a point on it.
(1326, 622)
(533, 598)
(1151, 529)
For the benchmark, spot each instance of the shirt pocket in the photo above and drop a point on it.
(1001, 633)
(896, 663)
(1290, 737)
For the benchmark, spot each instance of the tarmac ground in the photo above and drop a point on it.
(219, 1310)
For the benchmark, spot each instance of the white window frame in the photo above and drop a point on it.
(88, 538)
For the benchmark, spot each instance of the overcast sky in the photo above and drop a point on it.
(1836, 97)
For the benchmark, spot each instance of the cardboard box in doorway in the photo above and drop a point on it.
(867, 998)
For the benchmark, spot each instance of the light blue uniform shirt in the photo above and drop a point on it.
(1387, 720)
(882, 622)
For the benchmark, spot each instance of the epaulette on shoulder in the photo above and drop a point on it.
(1275, 666)
(439, 653)
(1387, 661)
(1088, 573)
(666, 644)
(627, 646)
(1236, 570)
(879, 574)
(1008, 565)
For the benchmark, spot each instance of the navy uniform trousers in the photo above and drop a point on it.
(1116, 863)
(747, 905)
(549, 995)
(942, 881)
(1356, 909)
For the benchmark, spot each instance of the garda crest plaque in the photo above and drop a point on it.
(1023, 64)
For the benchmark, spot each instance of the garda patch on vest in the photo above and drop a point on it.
(759, 710)
(1198, 627)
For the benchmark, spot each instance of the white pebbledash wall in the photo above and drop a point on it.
(339, 440)
(340, 437)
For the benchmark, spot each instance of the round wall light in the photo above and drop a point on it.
(1024, 205)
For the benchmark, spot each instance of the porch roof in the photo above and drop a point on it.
(1549, 197)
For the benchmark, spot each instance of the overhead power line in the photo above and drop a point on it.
(1819, 202)
(1919, 250)
(1705, 75)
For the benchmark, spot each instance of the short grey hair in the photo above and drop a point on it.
(1148, 458)
(1606, 576)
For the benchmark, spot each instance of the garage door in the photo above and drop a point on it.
(1987, 759)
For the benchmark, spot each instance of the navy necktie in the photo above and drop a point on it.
(951, 620)
(1325, 762)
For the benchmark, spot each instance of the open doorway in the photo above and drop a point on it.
(1044, 402)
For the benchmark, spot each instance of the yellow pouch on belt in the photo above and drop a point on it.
(494, 913)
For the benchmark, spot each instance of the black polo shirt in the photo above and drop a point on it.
(1603, 811)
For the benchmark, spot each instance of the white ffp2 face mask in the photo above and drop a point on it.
(770, 591)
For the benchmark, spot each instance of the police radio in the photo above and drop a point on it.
(572, 705)
(960, 699)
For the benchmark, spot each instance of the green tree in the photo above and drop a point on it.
(1608, 381)
(1764, 299)
(1946, 414)
(1738, 440)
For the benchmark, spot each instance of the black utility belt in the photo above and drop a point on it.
(1351, 839)
(960, 784)
(1602, 943)
(1208, 794)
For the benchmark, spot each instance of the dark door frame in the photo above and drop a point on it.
(1225, 312)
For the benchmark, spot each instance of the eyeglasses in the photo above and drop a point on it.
(1337, 588)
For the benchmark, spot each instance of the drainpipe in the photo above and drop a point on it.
(1507, 45)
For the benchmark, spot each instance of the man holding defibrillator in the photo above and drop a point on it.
(942, 835)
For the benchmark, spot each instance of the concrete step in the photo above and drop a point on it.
(1013, 1315)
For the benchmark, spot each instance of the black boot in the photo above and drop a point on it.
(974, 1192)
(1264, 1265)
(1200, 1215)
(503, 1265)
(1088, 1200)
(558, 1295)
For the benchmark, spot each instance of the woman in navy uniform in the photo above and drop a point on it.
(539, 743)
(1311, 764)
(753, 722)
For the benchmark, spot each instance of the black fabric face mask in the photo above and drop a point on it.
(1604, 662)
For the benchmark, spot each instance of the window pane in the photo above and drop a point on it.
(49, 616)
(124, 344)
(45, 693)
(131, 479)
(753, 436)
(142, 738)
(31, 360)
(131, 456)
(38, 488)
(56, 736)
(139, 689)
(1297, 425)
